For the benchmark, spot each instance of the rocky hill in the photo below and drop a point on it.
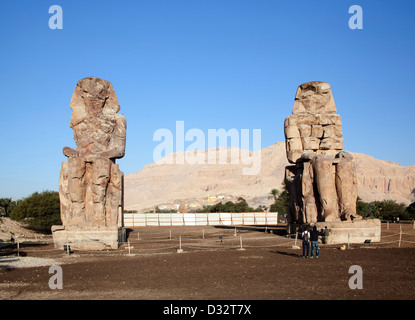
(169, 185)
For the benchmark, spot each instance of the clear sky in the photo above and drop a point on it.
(210, 63)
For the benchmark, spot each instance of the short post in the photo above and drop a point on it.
(387, 225)
(296, 236)
(235, 233)
(203, 233)
(400, 236)
(180, 250)
(170, 234)
(129, 248)
(138, 235)
(18, 248)
(348, 241)
(266, 227)
(67, 247)
(240, 240)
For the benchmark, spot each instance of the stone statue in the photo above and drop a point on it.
(322, 182)
(91, 184)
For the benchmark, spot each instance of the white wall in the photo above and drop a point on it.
(200, 219)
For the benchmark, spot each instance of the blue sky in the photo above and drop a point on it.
(210, 63)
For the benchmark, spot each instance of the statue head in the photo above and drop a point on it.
(314, 97)
(94, 118)
(93, 97)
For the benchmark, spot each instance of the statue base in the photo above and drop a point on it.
(98, 238)
(356, 231)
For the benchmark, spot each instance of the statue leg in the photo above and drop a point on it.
(325, 181)
(100, 177)
(292, 183)
(114, 197)
(309, 202)
(76, 189)
(346, 188)
(64, 196)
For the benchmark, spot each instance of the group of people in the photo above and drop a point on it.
(311, 237)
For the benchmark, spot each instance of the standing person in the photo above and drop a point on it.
(306, 241)
(314, 241)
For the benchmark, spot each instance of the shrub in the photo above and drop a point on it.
(40, 211)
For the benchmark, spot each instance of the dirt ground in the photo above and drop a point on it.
(211, 267)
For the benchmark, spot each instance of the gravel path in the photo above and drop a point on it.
(25, 262)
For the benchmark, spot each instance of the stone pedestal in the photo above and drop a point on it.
(356, 231)
(98, 238)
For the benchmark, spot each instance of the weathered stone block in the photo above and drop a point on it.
(305, 130)
(98, 238)
(356, 231)
(291, 132)
(311, 143)
(317, 131)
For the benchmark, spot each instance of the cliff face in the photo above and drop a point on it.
(380, 180)
(168, 185)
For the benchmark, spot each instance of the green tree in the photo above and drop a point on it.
(40, 211)
(410, 211)
(240, 206)
(281, 202)
(274, 194)
(362, 208)
(7, 205)
(390, 209)
(374, 209)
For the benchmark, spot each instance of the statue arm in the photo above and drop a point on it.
(69, 152)
(117, 144)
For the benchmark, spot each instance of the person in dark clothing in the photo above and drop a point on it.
(314, 241)
(306, 242)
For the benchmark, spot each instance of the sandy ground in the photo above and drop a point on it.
(210, 268)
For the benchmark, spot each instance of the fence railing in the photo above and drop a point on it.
(200, 219)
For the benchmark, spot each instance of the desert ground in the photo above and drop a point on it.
(212, 266)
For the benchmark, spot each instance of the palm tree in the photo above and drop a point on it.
(273, 194)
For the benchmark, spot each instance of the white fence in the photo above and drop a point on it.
(200, 219)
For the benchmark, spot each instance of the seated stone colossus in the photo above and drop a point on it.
(90, 183)
(322, 180)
